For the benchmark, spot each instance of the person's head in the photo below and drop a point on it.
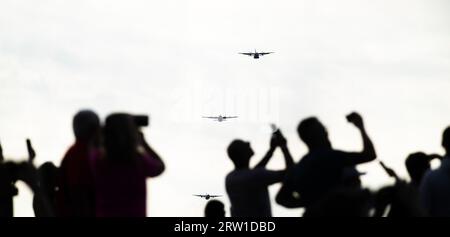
(120, 137)
(86, 125)
(446, 140)
(48, 174)
(215, 209)
(313, 133)
(417, 164)
(240, 153)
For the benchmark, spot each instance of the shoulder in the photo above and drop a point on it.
(231, 175)
(431, 177)
(339, 153)
(69, 152)
(261, 171)
(304, 159)
(236, 175)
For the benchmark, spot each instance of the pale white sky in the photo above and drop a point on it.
(177, 61)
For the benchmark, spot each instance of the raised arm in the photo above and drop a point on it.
(268, 155)
(368, 153)
(266, 158)
(160, 164)
(31, 152)
(282, 142)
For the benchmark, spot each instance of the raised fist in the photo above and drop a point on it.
(355, 119)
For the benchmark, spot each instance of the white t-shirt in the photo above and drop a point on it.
(248, 193)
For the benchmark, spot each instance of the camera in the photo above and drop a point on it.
(141, 120)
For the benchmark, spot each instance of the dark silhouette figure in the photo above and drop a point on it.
(402, 198)
(10, 173)
(323, 169)
(8, 177)
(342, 202)
(417, 164)
(122, 169)
(435, 186)
(215, 209)
(48, 183)
(247, 187)
(75, 197)
(7, 188)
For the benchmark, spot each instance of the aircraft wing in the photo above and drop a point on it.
(248, 54)
(230, 117)
(265, 53)
(215, 195)
(198, 195)
(210, 117)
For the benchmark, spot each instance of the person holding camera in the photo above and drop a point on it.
(122, 168)
(247, 188)
(323, 168)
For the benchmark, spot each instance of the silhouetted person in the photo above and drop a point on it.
(402, 198)
(75, 197)
(7, 188)
(342, 202)
(247, 187)
(122, 170)
(323, 169)
(417, 164)
(8, 177)
(48, 183)
(11, 172)
(435, 186)
(215, 209)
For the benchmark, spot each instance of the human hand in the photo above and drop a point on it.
(277, 140)
(31, 152)
(388, 170)
(355, 119)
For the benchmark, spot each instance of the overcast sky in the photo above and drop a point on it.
(178, 61)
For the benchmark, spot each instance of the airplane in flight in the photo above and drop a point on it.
(256, 54)
(220, 118)
(207, 196)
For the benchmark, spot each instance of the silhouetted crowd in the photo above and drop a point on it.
(104, 173)
(325, 182)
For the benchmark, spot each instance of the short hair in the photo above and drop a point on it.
(446, 139)
(215, 208)
(85, 123)
(235, 149)
(307, 128)
(416, 165)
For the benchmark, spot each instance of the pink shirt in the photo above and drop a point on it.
(75, 197)
(120, 188)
